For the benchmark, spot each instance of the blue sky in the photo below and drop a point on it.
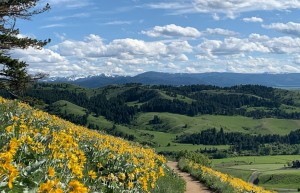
(128, 37)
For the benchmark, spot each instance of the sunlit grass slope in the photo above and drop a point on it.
(43, 153)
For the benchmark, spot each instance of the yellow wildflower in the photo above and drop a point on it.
(76, 187)
(51, 186)
(130, 185)
(51, 172)
(121, 176)
(13, 173)
(92, 174)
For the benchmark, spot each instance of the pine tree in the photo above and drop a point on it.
(13, 74)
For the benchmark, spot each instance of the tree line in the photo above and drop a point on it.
(234, 101)
(238, 140)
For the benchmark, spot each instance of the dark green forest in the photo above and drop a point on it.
(123, 104)
(213, 100)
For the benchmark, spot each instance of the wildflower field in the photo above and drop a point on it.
(218, 181)
(43, 153)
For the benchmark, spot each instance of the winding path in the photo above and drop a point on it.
(253, 177)
(192, 185)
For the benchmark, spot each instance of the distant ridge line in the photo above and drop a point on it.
(223, 79)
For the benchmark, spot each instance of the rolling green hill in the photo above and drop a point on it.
(272, 171)
(127, 110)
(158, 116)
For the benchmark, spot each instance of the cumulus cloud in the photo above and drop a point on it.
(182, 57)
(123, 49)
(253, 43)
(172, 30)
(216, 17)
(284, 45)
(32, 55)
(91, 46)
(287, 28)
(42, 60)
(259, 65)
(253, 19)
(191, 70)
(230, 46)
(92, 55)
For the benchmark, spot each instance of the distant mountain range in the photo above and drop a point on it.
(215, 78)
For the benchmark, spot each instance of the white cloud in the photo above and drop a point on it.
(53, 25)
(216, 17)
(231, 8)
(287, 28)
(117, 23)
(178, 47)
(259, 65)
(219, 31)
(77, 15)
(253, 19)
(171, 66)
(42, 60)
(92, 46)
(297, 60)
(73, 4)
(93, 55)
(123, 52)
(254, 43)
(172, 30)
(191, 70)
(284, 45)
(43, 55)
(171, 5)
(183, 58)
(276, 54)
(230, 46)
(124, 49)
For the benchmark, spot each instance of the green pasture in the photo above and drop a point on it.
(69, 108)
(278, 159)
(175, 123)
(178, 97)
(273, 171)
(162, 135)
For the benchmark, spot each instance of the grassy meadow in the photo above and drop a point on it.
(162, 136)
(174, 123)
(273, 171)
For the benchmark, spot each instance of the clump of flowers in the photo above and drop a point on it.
(222, 182)
(43, 153)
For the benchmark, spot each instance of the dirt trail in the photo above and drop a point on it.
(192, 186)
(253, 177)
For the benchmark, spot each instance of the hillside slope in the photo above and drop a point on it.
(43, 153)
